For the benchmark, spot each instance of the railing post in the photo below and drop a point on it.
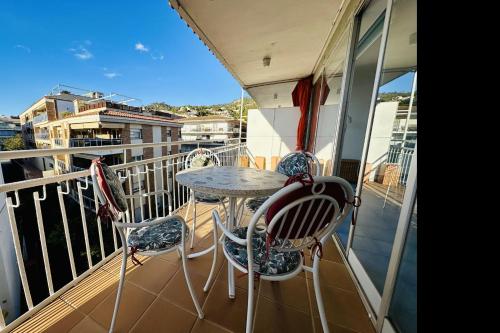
(66, 230)
(41, 231)
(84, 221)
(17, 249)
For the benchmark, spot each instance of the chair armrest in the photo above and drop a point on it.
(227, 233)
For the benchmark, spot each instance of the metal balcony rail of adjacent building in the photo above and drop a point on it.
(87, 142)
(42, 136)
(40, 118)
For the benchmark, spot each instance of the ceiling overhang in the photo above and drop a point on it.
(242, 33)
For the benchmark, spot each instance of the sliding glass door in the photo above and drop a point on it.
(378, 139)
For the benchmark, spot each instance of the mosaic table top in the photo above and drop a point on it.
(232, 181)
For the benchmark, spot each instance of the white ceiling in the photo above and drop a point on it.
(292, 32)
(273, 96)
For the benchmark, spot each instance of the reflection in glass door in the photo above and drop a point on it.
(389, 124)
(403, 308)
(366, 53)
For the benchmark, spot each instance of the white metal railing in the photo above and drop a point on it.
(86, 142)
(42, 136)
(158, 173)
(58, 142)
(40, 118)
(400, 156)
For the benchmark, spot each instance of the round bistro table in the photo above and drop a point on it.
(234, 183)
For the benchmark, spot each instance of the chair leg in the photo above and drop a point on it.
(194, 222)
(317, 292)
(251, 291)
(188, 279)
(214, 260)
(122, 280)
(188, 206)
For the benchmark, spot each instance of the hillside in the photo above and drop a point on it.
(231, 109)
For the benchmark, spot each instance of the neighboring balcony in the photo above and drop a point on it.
(42, 117)
(42, 136)
(86, 142)
(58, 142)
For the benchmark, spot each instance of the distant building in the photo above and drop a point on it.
(67, 120)
(209, 128)
(9, 127)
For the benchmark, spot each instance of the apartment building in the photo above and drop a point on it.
(9, 127)
(210, 128)
(67, 120)
(213, 127)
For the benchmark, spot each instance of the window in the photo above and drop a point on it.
(137, 158)
(169, 133)
(135, 133)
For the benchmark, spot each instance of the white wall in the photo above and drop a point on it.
(9, 274)
(381, 135)
(327, 131)
(357, 115)
(272, 132)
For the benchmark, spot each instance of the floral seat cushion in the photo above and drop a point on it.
(201, 161)
(291, 165)
(277, 263)
(255, 203)
(158, 237)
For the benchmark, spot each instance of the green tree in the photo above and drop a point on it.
(14, 143)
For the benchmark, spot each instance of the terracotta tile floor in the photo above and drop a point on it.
(156, 298)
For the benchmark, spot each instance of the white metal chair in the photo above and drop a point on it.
(298, 217)
(151, 237)
(291, 164)
(200, 158)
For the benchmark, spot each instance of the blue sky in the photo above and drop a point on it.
(403, 83)
(136, 48)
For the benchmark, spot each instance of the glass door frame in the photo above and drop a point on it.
(376, 304)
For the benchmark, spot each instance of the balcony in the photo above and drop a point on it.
(40, 118)
(155, 295)
(86, 142)
(42, 136)
(58, 142)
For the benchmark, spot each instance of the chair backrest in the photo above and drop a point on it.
(298, 162)
(109, 191)
(304, 214)
(201, 157)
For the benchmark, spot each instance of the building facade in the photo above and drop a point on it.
(67, 120)
(210, 128)
(9, 127)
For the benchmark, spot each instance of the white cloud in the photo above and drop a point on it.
(81, 52)
(23, 47)
(140, 47)
(157, 56)
(111, 75)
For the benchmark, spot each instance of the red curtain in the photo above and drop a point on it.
(301, 96)
(320, 94)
